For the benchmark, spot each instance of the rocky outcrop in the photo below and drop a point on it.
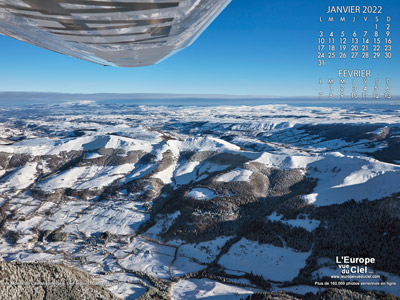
(42, 281)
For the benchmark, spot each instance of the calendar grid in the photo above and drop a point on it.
(368, 39)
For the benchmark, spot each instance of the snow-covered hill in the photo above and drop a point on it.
(193, 201)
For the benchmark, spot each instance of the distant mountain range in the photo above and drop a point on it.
(13, 97)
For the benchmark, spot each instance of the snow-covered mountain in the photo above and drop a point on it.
(192, 202)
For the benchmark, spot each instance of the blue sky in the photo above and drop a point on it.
(257, 47)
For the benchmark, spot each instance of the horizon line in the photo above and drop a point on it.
(60, 96)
